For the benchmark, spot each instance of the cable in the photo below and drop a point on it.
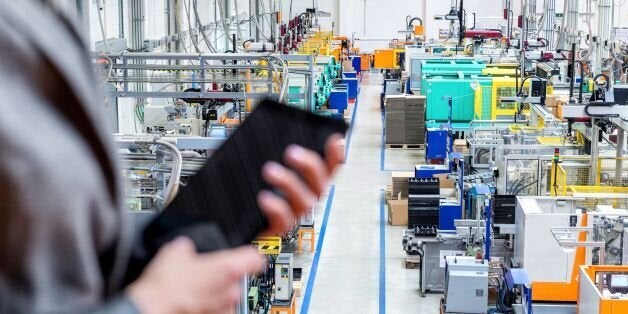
(177, 20)
(223, 20)
(103, 30)
(198, 21)
(187, 11)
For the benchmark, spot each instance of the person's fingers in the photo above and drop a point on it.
(235, 263)
(277, 211)
(333, 153)
(310, 165)
(180, 245)
(223, 301)
(296, 191)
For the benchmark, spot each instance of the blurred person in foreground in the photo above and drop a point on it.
(65, 240)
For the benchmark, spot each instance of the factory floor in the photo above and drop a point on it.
(358, 265)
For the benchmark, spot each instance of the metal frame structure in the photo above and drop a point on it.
(125, 69)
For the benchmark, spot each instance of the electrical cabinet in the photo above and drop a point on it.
(283, 277)
(466, 289)
(437, 142)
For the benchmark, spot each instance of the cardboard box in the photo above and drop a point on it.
(444, 182)
(347, 66)
(551, 101)
(460, 146)
(398, 212)
(399, 183)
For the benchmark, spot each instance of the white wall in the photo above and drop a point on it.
(385, 18)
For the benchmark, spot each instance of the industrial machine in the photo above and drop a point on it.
(603, 289)
(283, 278)
(466, 288)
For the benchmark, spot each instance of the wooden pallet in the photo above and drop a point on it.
(412, 262)
(405, 146)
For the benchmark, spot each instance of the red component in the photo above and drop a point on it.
(505, 14)
(520, 21)
(583, 119)
(483, 33)
(548, 56)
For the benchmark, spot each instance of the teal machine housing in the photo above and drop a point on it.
(438, 89)
(444, 78)
(448, 67)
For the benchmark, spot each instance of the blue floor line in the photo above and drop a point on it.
(382, 254)
(382, 157)
(348, 142)
(305, 306)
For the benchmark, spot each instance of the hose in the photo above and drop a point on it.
(187, 12)
(237, 12)
(414, 19)
(284, 84)
(223, 20)
(524, 81)
(175, 176)
(198, 21)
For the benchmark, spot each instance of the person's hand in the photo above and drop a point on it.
(301, 184)
(180, 280)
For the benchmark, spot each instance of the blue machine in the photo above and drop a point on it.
(437, 143)
(351, 79)
(428, 171)
(356, 62)
(350, 74)
(449, 211)
(339, 99)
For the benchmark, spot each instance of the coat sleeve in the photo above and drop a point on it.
(56, 220)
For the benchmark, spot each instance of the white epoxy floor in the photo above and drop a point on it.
(348, 272)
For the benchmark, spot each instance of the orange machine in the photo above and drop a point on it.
(563, 291)
(384, 58)
(602, 289)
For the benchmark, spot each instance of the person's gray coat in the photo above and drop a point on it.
(64, 242)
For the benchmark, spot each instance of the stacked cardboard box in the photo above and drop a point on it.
(405, 119)
(415, 119)
(395, 119)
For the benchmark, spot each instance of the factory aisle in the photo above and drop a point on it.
(349, 276)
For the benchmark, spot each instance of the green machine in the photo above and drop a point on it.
(325, 82)
(438, 89)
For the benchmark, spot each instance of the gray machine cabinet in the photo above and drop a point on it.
(432, 276)
(283, 277)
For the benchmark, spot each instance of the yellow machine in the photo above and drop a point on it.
(488, 104)
(501, 69)
(603, 289)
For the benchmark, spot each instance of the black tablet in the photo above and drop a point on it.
(223, 194)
